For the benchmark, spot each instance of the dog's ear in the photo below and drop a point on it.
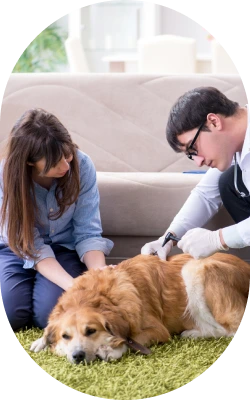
(50, 333)
(52, 327)
(117, 337)
(116, 325)
(57, 311)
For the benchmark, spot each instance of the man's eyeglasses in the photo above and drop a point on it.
(190, 151)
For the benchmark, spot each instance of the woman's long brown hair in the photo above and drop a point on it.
(36, 135)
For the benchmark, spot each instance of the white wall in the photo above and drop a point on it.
(113, 27)
(109, 28)
(63, 23)
(173, 22)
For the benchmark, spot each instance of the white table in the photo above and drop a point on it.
(127, 62)
(122, 62)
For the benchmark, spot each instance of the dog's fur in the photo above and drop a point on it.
(147, 300)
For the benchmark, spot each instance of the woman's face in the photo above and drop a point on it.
(55, 172)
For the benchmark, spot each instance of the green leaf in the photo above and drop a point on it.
(45, 53)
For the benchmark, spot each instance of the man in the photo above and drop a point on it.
(211, 130)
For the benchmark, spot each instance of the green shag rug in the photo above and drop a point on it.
(169, 367)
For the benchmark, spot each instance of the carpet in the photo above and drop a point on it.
(169, 367)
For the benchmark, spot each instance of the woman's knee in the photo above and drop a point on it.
(40, 320)
(17, 306)
(19, 316)
(45, 297)
(16, 289)
(41, 313)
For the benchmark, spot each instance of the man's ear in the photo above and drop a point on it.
(214, 121)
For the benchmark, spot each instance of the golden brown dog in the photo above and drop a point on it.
(143, 301)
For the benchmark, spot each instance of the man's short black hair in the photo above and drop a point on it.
(191, 110)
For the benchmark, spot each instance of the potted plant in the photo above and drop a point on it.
(46, 53)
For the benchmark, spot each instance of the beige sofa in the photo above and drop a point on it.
(120, 120)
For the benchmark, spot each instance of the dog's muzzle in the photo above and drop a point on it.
(78, 356)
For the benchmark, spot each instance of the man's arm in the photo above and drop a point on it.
(203, 202)
(201, 205)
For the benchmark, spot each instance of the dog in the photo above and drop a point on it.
(145, 300)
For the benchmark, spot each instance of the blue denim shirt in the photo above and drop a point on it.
(79, 227)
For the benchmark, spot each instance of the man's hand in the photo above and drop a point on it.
(156, 245)
(201, 243)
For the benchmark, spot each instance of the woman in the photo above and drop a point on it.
(50, 219)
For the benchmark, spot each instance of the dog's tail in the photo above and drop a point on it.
(230, 271)
(217, 291)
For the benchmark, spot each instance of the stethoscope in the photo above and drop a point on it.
(240, 194)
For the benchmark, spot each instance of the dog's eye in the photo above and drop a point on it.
(65, 336)
(90, 332)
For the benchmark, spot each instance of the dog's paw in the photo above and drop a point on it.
(107, 353)
(192, 333)
(38, 345)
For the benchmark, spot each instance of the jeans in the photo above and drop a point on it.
(28, 296)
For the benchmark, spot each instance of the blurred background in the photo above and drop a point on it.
(128, 37)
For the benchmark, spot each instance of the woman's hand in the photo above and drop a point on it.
(107, 266)
(54, 272)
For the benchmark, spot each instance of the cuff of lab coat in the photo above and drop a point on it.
(232, 237)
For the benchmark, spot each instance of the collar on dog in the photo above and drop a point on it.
(132, 344)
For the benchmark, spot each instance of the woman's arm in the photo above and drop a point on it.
(86, 218)
(54, 272)
(94, 259)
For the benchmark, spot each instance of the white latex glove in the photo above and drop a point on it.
(162, 252)
(201, 243)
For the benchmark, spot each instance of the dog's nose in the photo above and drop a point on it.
(78, 356)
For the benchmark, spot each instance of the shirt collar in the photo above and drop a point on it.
(39, 187)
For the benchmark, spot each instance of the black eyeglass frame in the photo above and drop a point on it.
(190, 147)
